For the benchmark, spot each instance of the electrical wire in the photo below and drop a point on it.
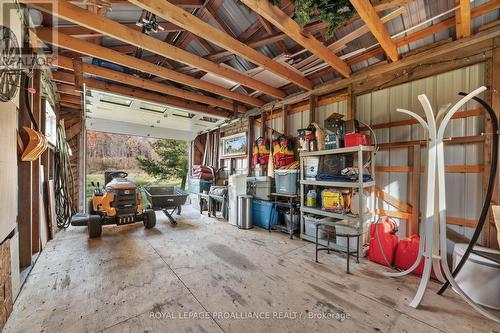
(63, 180)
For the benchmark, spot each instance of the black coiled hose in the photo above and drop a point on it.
(489, 192)
(64, 181)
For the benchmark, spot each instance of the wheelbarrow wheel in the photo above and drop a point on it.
(149, 218)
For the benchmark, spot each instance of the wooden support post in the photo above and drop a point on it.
(351, 104)
(24, 193)
(286, 107)
(493, 97)
(235, 109)
(263, 121)
(313, 101)
(78, 70)
(35, 209)
(251, 139)
(413, 223)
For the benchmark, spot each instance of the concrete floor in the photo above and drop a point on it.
(167, 279)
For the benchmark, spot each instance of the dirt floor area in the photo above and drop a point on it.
(204, 275)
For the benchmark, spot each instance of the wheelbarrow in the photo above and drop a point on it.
(168, 199)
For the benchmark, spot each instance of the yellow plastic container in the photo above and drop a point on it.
(332, 200)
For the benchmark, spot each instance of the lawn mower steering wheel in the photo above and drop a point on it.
(118, 174)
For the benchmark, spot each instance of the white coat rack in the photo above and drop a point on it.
(432, 246)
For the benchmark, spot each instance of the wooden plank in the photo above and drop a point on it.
(24, 194)
(128, 79)
(137, 38)
(406, 122)
(251, 139)
(67, 89)
(368, 14)
(490, 232)
(36, 108)
(78, 73)
(202, 29)
(313, 101)
(461, 222)
(448, 168)
(413, 222)
(82, 32)
(55, 38)
(6, 299)
(393, 214)
(391, 200)
(463, 27)
(180, 3)
(291, 28)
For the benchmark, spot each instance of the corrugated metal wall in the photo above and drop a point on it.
(464, 190)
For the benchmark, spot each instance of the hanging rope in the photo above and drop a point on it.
(64, 182)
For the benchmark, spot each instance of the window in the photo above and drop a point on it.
(116, 100)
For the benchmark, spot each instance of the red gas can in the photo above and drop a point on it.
(383, 241)
(406, 254)
(356, 139)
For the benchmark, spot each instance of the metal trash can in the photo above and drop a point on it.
(245, 211)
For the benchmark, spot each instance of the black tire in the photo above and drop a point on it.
(149, 217)
(90, 208)
(95, 228)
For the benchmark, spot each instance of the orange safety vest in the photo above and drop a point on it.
(283, 151)
(261, 151)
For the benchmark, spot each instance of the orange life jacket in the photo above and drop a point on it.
(260, 151)
(283, 151)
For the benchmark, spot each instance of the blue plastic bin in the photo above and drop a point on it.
(261, 214)
(199, 185)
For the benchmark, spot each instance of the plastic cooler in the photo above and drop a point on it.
(262, 214)
(286, 181)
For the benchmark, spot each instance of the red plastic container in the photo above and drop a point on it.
(356, 139)
(406, 254)
(383, 238)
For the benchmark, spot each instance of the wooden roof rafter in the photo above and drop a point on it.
(368, 14)
(136, 38)
(193, 24)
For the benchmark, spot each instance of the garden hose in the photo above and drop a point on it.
(489, 191)
(64, 181)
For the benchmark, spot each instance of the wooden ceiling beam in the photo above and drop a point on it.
(463, 19)
(131, 80)
(180, 3)
(67, 89)
(140, 94)
(118, 31)
(78, 31)
(286, 24)
(53, 37)
(202, 29)
(368, 14)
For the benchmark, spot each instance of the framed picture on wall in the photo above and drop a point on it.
(234, 145)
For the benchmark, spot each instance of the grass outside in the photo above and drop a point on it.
(142, 179)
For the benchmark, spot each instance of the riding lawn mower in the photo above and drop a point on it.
(119, 202)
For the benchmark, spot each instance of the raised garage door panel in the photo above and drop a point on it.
(8, 135)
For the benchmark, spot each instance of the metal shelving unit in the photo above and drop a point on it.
(362, 219)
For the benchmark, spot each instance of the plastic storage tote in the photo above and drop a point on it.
(286, 181)
(262, 214)
(310, 222)
(343, 228)
(199, 185)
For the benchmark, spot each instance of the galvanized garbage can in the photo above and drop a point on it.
(245, 211)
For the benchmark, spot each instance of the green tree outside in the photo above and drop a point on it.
(172, 162)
